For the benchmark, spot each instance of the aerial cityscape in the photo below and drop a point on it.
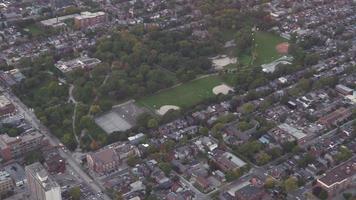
(178, 99)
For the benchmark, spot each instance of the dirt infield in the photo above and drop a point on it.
(282, 48)
(222, 89)
(164, 109)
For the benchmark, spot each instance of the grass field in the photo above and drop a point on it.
(34, 30)
(265, 48)
(185, 95)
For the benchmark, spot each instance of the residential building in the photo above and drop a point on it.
(87, 19)
(6, 107)
(344, 90)
(250, 192)
(226, 161)
(41, 186)
(335, 117)
(54, 162)
(340, 178)
(17, 173)
(6, 182)
(109, 158)
(287, 133)
(13, 147)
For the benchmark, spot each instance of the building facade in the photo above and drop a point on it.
(87, 19)
(340, 178)
(6, 182)
(40, 185)
(6, 107)
(108, 159)
(12, 147)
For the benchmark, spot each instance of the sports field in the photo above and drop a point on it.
(265, 48)
(184, 95)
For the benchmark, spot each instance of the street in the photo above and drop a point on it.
(31, 117)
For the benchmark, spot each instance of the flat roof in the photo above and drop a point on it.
(57, 20)
(16, 171)
(4, 101)
(292, 131)
(339, 173)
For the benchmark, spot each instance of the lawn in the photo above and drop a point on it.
(34, 30)
(185, 95)
(266, 47)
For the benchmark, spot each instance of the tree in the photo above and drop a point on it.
(270, 182)
(132, 160)
(204, 131)
(347, 196)
(94, 145)
(33, 156)
(165, 167)
(248, 108)
(75, 193)
(152, 123)
(344, 154)
(290, 184)
(263, 158)
(244, 125)
(320, 193)
(233, 175)
(94, 109)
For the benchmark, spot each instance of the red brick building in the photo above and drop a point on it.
(6, 107)
(108, 159)
(340, 178)
(12, 147)
(87, 19)
(335, 117)
(54, 162)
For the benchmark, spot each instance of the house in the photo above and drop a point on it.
(226, 161)
(161, 179)
(287, 133)
(251, 192)
(339, 178)
(206, 143)
(335, 117)
(202, 183)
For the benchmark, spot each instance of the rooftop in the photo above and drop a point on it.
(339, 173)
(6, 140)
(4, 101)
(86, 15)
(40, 174)
(105, 155)
(4, 175)
(292, 131)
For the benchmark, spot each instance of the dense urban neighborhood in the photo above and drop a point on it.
(177, 99)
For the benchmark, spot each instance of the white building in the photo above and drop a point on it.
(41, 186)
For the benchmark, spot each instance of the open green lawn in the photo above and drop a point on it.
(266, 47)
(265, 50)
(34, 30)
(185, 95)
